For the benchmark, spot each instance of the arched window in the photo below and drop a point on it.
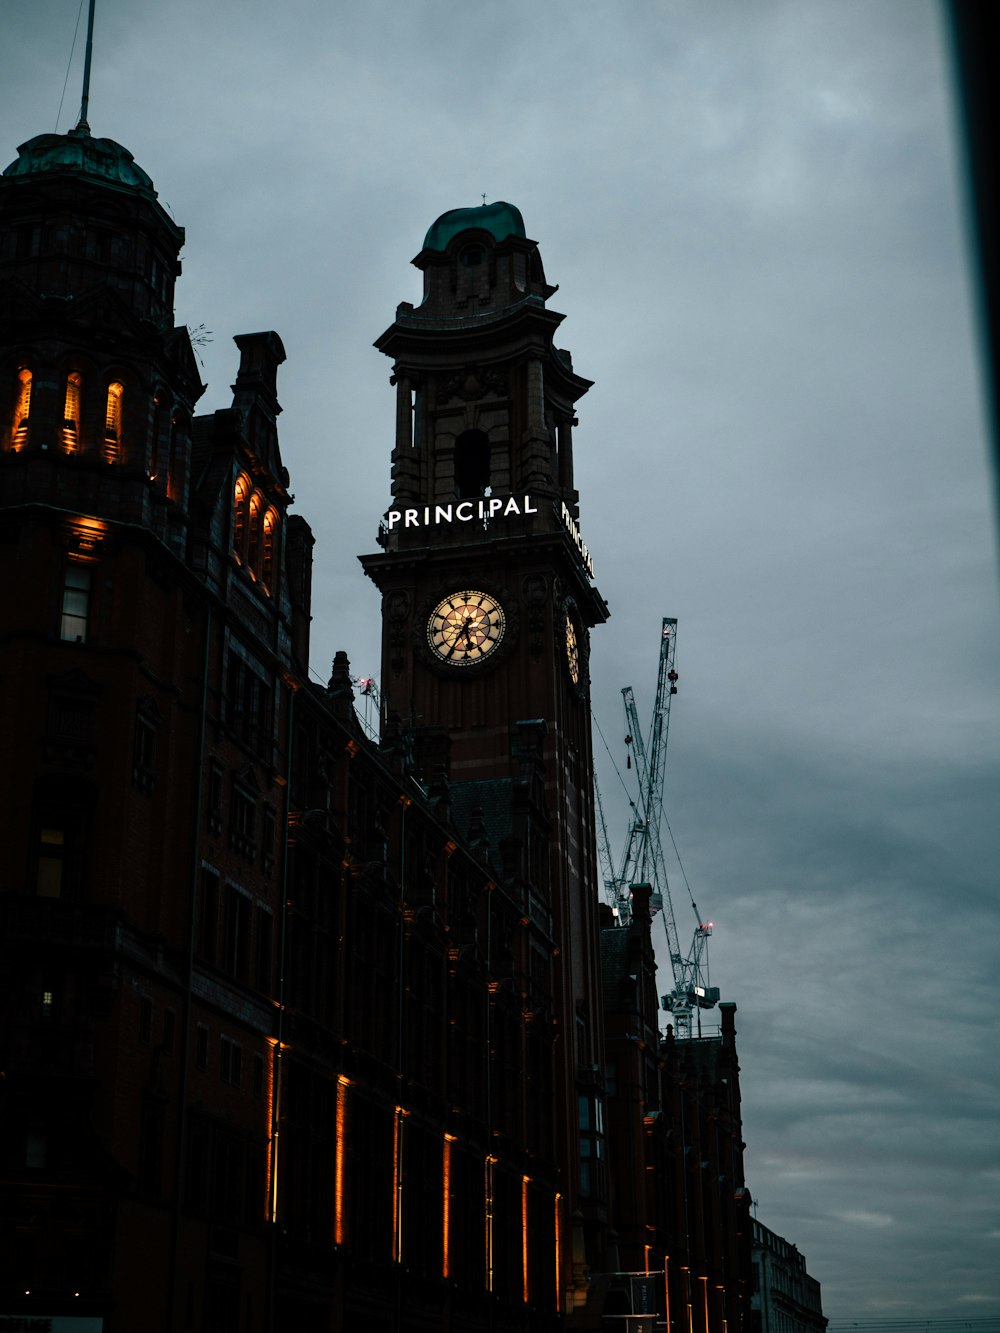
(472, 464)
(71, 412)
(254, 544)
(22, 408)
(241, 501)
(113, 422)
(270, 539)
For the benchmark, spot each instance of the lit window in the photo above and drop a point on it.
(75, 603)
(253, 552)
(71, 412)
(22, 408)
(270, 530)
(113, 422)
(241, 499)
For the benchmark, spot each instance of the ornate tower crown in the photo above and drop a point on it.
(485, 400)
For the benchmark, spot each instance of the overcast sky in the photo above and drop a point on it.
(752, 210)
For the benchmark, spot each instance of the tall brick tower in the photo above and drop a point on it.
(488, 601)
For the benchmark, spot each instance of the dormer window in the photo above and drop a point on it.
(113, 422)
(71, 412)
(22, 409)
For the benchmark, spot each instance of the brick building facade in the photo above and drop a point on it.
(302, 1032)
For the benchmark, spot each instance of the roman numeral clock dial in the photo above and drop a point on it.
(465, 628)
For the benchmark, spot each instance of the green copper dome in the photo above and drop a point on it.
(500, 220)
(79, 154)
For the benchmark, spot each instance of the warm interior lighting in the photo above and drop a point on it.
(340, 1160)
(449, 1139)
(113, 422)
(241, 495)
(666, 1288)
(270, 1099)
(488, 1220)
(270, 525)
(253, 550)
(397, 1184)
(22, 409)
(704, 1296)
(687, 1297)
(558, 1239)
(85, 534)
(525, 1182)
(71, 413)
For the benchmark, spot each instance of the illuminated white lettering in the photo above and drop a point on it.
(487, 508)
(573, 529)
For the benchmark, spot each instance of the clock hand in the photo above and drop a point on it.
(454, 644)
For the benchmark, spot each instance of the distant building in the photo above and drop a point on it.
(675, 1148)
(298, 1031)
(785, 1298)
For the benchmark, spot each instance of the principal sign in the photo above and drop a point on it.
(482, 510)
(466, 511)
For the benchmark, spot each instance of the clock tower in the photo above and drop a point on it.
(488, 601)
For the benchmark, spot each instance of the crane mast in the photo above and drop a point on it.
(642, 860)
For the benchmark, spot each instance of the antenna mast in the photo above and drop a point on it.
(85, 103)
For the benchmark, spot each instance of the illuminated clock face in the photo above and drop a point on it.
(465, 628)
(572, 651)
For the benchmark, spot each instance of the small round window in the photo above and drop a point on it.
(472, 256)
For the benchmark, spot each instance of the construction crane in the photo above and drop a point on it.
(642, 860)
